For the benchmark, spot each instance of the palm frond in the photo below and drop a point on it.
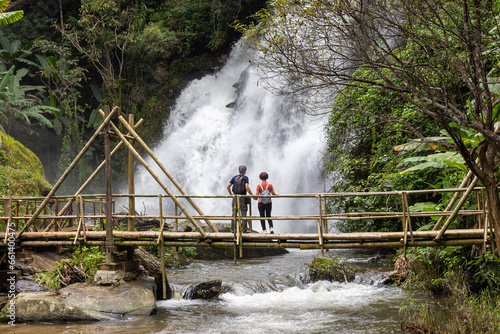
(11, 17)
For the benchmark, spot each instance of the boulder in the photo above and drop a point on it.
(204, 290)
(86, 302)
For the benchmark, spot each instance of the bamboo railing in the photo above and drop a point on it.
(87, 214)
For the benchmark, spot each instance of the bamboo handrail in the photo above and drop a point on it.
(153, 235)
(243, 240)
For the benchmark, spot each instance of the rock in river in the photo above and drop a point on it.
(86, 302)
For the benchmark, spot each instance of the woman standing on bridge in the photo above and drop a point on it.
(265, 204)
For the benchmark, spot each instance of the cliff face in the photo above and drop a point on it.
(21, 172)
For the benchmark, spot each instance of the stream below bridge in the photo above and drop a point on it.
(264, 295)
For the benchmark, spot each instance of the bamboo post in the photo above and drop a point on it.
(82, 213)
(78, 229)
(325, 221)
(239, 227)
(155, 159)
(160, 182)
(7, 210)
(160, 237)
(101, 220)
(405, 226)
(457, 208)
(56, 211)
(176, 213)
(90, 179)
(163, 278)
(109, 197)
(320, 225)
(68, 170)
(235, 230)
(162, 249)
(17, 215)
(131, 181)
(249, 222)
(485, 221)
(33, 227)
(408, 217)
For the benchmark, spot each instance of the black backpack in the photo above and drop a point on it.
(239, 185)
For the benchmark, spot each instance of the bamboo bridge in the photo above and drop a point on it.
(83, 219)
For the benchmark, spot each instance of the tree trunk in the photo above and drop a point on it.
(494, 211)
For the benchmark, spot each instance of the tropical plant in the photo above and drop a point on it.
(20, 102)
(8, 17)
(81, 266)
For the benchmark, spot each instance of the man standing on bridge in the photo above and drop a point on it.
(240, 187)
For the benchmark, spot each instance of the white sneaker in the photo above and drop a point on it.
(264, 231)
(271, 230)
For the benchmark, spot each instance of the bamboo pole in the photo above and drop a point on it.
(454, 198)
(109, 195)
(82, 213)
(162, 258)
(172, 179)
(67, 171)
(485, 221)
(7, 210)
(239, 227)
(405, 226)
(328, 237)
(77, 234)
(162, 222)
(457, 209)
(408, 216)
(235, 230)
(320, 229)
(131, 179)
(17, 214)
(226, 244)
(160, 182)
(90, 179)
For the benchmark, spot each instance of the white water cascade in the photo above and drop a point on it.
(205, 141)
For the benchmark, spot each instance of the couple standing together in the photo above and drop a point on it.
(239, 184)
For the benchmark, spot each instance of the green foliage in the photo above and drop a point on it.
(19, 101)
(467, 314)
(331, 269)
(438, 269)
(81, 266)
(486, 271)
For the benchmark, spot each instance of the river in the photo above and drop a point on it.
(264, 295)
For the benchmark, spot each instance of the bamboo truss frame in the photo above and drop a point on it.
(55, 235)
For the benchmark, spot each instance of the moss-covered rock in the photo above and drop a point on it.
(21, 172)
(330, 269)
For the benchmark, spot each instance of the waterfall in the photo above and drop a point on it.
(227, 119)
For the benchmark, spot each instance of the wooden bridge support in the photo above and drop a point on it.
(66, 173)
(164, 170)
